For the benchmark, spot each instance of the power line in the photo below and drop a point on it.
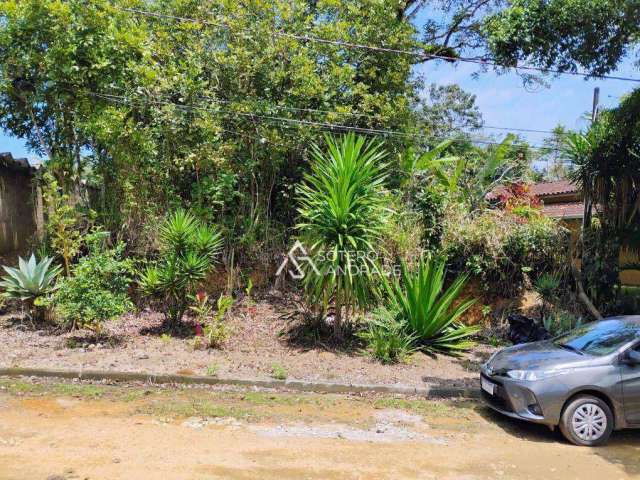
(369, 116)
(374, 48)
(290, 122)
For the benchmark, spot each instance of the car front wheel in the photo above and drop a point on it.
(587, 421)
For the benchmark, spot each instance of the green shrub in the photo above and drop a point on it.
(559, 322)
(31, 282)
(97, 289)
(430, 204)
(429, 311)
(387, 338)
(278, 372)
(188, 249)
(215, 331)
(501, 249)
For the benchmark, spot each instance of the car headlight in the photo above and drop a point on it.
(533, 375)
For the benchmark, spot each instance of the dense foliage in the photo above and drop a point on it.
(157, 120)
(607, 167)
(98, 287)
(503, 249)
(565, 34)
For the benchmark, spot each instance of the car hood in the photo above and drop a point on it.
(543, 355)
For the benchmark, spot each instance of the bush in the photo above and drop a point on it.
(430, 203)
(97, 289)
(559, 322)
(215, 331)
(428, 311)
(502, 249)
(386, 338)
(31, 282)
(187, 252)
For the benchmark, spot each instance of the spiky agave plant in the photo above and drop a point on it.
(430, 312)
(30, 281)
(342, 214)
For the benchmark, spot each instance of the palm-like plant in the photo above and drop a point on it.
(187, 252)
(30, 281)
(342, 213)
(607, 171)
(546, 286)
(429, 311)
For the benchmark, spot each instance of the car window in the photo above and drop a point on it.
(600, 338)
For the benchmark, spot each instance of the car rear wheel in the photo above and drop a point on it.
(587, 421)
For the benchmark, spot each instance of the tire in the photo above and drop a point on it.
(587, 421)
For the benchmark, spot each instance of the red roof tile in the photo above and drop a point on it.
(541, 190)
(553, 188)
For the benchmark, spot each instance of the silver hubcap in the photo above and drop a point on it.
(589, 422)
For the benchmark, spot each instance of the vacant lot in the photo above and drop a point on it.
(87, 431)
(266, 334)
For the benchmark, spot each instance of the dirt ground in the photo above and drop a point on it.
(65, 431)
(261, 342)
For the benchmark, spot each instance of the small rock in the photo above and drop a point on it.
(116, 460)
(143, 356)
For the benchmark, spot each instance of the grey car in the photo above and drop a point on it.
(587, 381)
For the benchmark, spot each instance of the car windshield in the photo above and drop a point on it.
(599, 338)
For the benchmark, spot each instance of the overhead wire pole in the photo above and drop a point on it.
(585, 227)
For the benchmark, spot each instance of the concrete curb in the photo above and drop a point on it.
(318, 387)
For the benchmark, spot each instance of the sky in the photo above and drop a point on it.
(505, 102)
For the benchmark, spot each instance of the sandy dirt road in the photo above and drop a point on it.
(54, 431)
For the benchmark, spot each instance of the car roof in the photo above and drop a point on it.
(631, 319)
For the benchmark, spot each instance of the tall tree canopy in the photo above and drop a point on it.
(593, 35)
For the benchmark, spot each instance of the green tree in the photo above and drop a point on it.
(607, 168)
(593, 35)
(447, 110)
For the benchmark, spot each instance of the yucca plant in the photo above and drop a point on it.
(430, 312)
(29, 282)
(188, 249)
(342, 214)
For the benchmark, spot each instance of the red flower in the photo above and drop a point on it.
(198, 330)
(201, 296)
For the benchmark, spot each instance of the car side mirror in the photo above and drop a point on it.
(631, 357)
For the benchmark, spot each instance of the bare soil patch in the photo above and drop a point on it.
(89, 431)
(264, 340)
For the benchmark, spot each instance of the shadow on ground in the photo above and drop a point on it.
(623, 448)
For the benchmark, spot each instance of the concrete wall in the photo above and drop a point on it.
(17, 212)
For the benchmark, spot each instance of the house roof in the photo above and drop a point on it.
(563, 210)
(553, 188)
(19, 164)
(540, 190)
